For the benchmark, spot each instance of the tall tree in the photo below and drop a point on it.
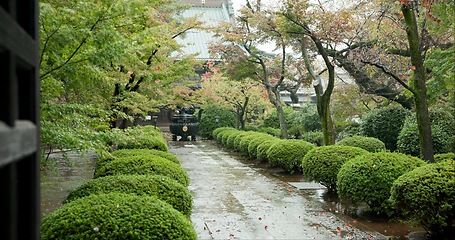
(277, 69)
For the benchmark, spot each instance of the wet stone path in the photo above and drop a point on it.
(232, 200)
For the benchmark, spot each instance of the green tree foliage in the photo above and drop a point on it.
(384, 124)
(443, 134)
(210, 112)
(107, 55)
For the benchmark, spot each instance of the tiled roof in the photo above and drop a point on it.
(198, 41)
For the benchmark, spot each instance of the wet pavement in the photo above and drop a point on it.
(236, 198)
(232, 200)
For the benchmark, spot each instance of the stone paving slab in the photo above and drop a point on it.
(233, 201)
(307, 185)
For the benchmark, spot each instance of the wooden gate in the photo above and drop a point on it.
(19, 120)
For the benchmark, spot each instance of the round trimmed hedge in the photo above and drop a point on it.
(253, 145)
(263, 147)
(117, 216)
(162, 187)
(369, 177)
(207, 124)
(147, 152)
(143, 165)
(368, 143)
(288, 154)
(322, 164)
(226, 134)
(427, 196)
(147, 142)
(442, 132)
(444, 156)
(231, 139)
(315, 137)
(220, 130)
(384, 124)
(246, 140)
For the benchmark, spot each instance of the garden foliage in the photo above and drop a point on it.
(426, 195)
(321, 164)
(369, 177)
(288, 154)
(384, 124)
(117, 216)
(368, 143)
(162, 187)
(143, 165)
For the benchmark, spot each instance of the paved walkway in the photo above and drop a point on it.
(233, 201)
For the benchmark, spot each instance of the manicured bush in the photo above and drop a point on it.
(276, 132)
(149, 152)
(136, 137)
(444, 156)
(368, 143)
(143, 165)
(368, 178)
(208, 119)
(261, 150)
(321, 164)
(226, 134)
(384, 124)
(316, 138)
(427, 196)
(238, 138)
(443, 134)
(288, 154)
(246, 140)
(253, 145)
(147, 142)
(347, 129)
(231, 139)
(117, 216)
(162, 187)
(217, 131)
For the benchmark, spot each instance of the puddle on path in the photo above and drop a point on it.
(65, 174)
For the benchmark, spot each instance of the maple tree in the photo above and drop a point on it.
(107, 60)
(276, 68)
(246, 98)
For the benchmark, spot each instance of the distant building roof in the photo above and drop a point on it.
(212, 13)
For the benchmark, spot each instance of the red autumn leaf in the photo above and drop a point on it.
(231, 235)
(266, 227)
(260, 219)
(218, 230)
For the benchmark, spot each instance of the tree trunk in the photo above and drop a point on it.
(322, 98)
(420, 93)
(281, 119)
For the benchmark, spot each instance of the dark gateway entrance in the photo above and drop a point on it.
(19, 121)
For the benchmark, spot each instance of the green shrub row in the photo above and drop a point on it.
(162, 187)
(359, 169)
(117, 216)
(135, 194)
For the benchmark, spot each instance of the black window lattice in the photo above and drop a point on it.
(19, 128)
